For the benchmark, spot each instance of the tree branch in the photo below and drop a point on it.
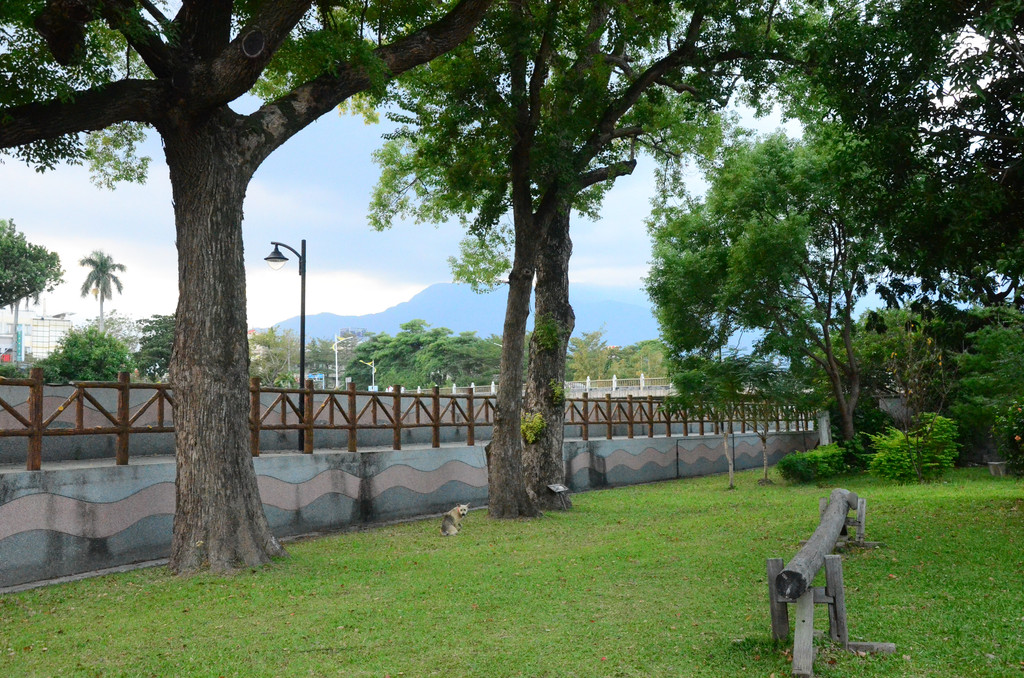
(281, 119)
(617, 169)
(95, 109)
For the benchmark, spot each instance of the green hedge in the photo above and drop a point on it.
(805, 467)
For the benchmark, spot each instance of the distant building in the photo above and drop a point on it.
(36, 335)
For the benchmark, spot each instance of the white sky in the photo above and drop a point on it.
(317, 187)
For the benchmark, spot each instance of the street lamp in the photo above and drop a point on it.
(277, 259)
(373, 373)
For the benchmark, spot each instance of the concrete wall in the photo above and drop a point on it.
(69, 520)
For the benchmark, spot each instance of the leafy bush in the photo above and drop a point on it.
(1009, 430)
(87, 355)
(817, 464)
(923, 454)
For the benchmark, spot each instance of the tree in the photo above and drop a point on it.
(26, 270)
(122, 327)
(588, 356)
(84, 65)
(156, 339)
(87, 355)
(560, 97)
(102, 270)
(782, 245)
(274, 357)
(953, 171)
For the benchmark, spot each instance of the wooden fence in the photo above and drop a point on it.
(309, 410)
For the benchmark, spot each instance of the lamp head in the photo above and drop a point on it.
(276, 259)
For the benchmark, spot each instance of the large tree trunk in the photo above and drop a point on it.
(219, 522)
(554, 321)
(507, 495)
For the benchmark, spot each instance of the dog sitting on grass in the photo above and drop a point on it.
(451, 523)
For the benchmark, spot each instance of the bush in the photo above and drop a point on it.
(1009, 430)
(924, 454)
(818, 464)
(87, 355)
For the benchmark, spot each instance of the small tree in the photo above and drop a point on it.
(156, 339)
(87, 355)
(271, 360)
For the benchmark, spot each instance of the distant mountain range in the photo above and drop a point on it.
(626, 317)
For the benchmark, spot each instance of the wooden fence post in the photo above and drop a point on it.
(352, 416)
(586, 416)
(307, 416)
(121, 458)
(435, 416)
(34, 460)
(608, 413)
(650, 416)
(254, 416)
(396, 417)
(470, 419)
(629, 416)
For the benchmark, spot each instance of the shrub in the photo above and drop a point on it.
(817, 464)
(87, 355)
(1009, 430)
(923, 454)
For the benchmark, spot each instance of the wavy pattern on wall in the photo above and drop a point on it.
(296, 496)
(79, 518)
(401, 475)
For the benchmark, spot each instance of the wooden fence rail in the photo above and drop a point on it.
(311, 410)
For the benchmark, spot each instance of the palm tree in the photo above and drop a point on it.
(101, 277)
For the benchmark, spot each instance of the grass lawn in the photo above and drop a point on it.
(657, 580)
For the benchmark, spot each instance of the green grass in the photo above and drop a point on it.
(657, 580)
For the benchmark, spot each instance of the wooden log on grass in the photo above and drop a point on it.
(798, 574)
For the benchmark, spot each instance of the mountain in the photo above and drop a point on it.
(625, 317)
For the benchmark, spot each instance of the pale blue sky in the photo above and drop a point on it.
(316, 187)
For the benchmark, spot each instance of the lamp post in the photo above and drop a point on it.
(277, 259)
(373, 373)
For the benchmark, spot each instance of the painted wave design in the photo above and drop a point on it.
(427, 482)
(636, 462)
(79, 518)
(295, 496)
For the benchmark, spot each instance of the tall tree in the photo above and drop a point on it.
(69, 75)
(781, 244)
(559, 98)
(26, 270)
(102, 278)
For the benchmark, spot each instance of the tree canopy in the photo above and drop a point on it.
(782, 244)
(26, 270)
(934, 92)
(421, 356)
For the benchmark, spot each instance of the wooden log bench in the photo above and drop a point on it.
(791, 584)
